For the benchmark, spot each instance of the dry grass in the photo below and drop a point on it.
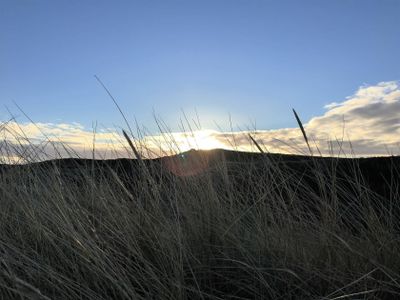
(234, 231)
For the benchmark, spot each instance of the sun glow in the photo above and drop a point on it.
(201, 140)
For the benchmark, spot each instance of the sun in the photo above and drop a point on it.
(206, 140)
(200, 140)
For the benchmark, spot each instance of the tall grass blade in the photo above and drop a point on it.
(132, 146)
(115, 102)
(257, 144)
(302, 130)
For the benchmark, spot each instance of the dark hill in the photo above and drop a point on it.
(221, 224)
(378, 175)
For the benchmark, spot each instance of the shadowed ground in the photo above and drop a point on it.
(201, 225)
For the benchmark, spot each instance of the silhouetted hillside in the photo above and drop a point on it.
(201, 225)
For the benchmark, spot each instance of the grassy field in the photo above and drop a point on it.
(203, 225)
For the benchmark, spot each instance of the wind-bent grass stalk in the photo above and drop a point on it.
(137, 155)
(256, 143)
(302, 131)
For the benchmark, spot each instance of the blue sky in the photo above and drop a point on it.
(253, 59)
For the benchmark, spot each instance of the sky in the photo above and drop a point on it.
(248, 61)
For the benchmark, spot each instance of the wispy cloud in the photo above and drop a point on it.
(366, 123)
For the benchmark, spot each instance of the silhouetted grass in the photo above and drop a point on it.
(261, 227)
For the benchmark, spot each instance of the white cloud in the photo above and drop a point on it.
(332, 105)
(47, 140)
(367, 122)
(369, 119)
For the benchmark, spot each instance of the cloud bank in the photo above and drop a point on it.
(364, 124)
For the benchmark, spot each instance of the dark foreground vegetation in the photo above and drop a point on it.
(203, 225)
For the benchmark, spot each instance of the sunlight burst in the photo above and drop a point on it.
(201, 140)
